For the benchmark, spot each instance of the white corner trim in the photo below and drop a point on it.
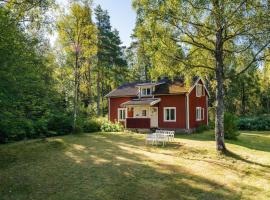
(187, 112)
(109, 107)
(206, 110)
(164, 119)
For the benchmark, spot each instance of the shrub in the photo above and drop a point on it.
(111, 127)
(92, 125)
(258, 123)
(61, 123)
(211, 125)
(202, 128)
(41, 127)
(230, 126)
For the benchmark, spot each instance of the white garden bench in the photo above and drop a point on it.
(160, 136)
(169, 134)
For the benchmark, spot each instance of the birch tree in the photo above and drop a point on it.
(225, 38)
(78, 36)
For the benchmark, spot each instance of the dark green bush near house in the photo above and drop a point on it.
(202, 128)
(230, 126)
(92, 125)
(111, 127)
(257, 123)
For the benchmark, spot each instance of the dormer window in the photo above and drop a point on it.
(146, 91)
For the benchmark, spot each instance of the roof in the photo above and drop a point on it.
(128, 89)
(163, 87)
(144, 101)
(176, 87)
(149, 84)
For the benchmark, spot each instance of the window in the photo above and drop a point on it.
(169, 114)
(199, 90)
(144, 113)
(146, 91)
(199, 114)
(121, 114)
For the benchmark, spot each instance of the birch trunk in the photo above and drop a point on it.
(219, 123)
(76, 88)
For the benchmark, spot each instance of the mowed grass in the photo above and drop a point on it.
(118, 166)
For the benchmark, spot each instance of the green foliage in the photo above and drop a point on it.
(111, 127)
(259, 123)
(92, 125)
(61, 124)
(230, 126)
(202, 128)
(27, 94)
(111, 68)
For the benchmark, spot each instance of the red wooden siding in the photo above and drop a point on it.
(114, 105)
(177, 101)
(197, 102)
(138, 122)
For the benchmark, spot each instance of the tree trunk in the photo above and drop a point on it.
(98, 93)
(76, 87)
(243, 99)
(102, 92)
(219, 123)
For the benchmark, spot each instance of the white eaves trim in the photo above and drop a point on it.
(196, 84)
(155, 102)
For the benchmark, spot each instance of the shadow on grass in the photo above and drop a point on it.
(252, 140)
(102, 167)
(231, 154)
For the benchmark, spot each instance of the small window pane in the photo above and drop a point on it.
(172, 114)
(167, 114)
(144, 113)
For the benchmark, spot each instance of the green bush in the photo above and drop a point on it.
(230, 126)
(257, 123)
(111, 127)
(92, 125)
(41, 127)
(202, 128)
(61, 124)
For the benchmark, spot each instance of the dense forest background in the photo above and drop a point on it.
(49, 90)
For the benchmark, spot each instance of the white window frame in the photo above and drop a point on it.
(202, 113)
(199, 113)
(197, 90)
(145, 89)
(119, 114)
(164, 114)
(145, 113)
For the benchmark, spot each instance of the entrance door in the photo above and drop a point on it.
(153, 117)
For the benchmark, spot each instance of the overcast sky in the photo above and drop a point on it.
(122, 16)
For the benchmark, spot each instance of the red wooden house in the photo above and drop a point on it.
(165, 104)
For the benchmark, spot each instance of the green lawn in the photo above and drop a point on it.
(110, 166)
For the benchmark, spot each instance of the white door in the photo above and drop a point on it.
(154, 116)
